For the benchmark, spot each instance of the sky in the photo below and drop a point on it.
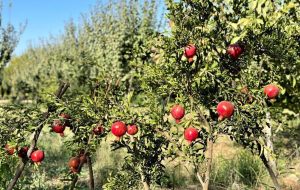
(42, 17)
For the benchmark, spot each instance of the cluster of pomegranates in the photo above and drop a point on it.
(233, 50)
(225, 109)
(36, 156)
(191, 133)
(119, 129)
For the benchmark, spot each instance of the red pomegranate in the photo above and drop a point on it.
(177, 112)
(37, 156)
(190, 51)
(10, 150)
(132, 129)
(74, 162)
(58, 127)
(272, 91)
(22, 153)
(234, 50)
(118, 129)
(98, 130)
(225, 109)
(190, 134)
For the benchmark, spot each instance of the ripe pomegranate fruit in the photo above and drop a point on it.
(190, 51)
(10, 150)
(190, 134)
(177, 112)
(234, 50)
(74, 162)
(58, 127)
(225, 109)
(98, 130)
(118, 129)
(37, 156)
(132, 129)
(22, 153)
(272, 91)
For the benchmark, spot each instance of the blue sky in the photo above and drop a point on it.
(43, 17)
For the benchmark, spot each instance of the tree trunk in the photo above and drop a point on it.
(146, 186)
(269, 144)
(91, 174)
(266, 155)
(271, 172)
(209, 164)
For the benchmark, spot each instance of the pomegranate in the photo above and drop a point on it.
(74, 162)
(190, 134)
(22, 153)
(177, 112)
(272, 91)
(9, 149)
(132, 129)
(190, 51)
(234, 50)
(37, 156)
(58, 127)
(225, 109)
(118, 129)
(98, 130)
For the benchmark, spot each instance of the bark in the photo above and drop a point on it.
(209, 156)
(269, 144)
(146, 186)
(266, 156)
(270, 170)
(91, 174)
(59, 93)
